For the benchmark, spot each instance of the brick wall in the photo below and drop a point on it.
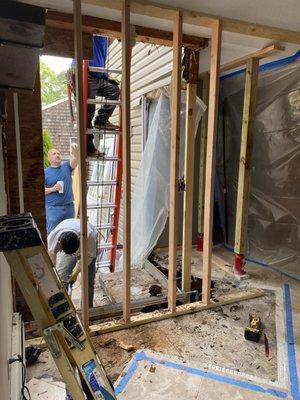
(56, 118)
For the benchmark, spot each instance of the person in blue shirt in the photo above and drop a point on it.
(58, 188)
(99, 85)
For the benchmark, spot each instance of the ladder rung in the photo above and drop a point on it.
(105, 101)
(101, 183)
(102, 132)
(103, 264)
(105, 246)
(99, 206)
(105, 226)
(103, 69)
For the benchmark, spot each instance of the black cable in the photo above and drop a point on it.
(19, 358)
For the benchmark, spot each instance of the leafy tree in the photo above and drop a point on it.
(47, 145)
(53, 86)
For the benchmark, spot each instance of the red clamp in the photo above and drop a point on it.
(199, 242)
(238, 265)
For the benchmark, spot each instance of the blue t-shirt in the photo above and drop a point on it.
(100, 49)
(61, 173)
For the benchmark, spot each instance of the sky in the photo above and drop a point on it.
(58, 64)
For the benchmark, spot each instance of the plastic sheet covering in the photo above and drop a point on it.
(274, 211)
(150, 200)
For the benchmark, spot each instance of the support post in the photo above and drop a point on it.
(174, 159)
(210, 158)
(245, 165)
(82, 163)
(190, 126)
(203, 141)
(126, 56)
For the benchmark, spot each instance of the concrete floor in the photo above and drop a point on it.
(209, 340)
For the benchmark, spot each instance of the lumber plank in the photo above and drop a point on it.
(259, 54)
(95, 25)
(210, 158)
(163, 11)
(82, 164)
(126, 58)
(203, 140)
(184, 309)
(174, 159)
(189, 157)
(246, 151)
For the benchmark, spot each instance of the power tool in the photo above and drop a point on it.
(253, 331)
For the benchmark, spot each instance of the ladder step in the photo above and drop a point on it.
(103, 69)
(102, 132)
(100, 206)
(105, 246)
(105, 101)
(103, 264)
(104, 226)
(103, 183)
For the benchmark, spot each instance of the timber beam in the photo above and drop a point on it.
(101, 26)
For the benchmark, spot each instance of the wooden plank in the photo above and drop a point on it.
(126, 59)
(259, 54)
(174, 159)
(82, 164)
(142, 319)
(90, 25)
(18, 152)
(162, 11)
(203, 141)
(60, 42)
(246, 156)
(189, 156)
(210, 159)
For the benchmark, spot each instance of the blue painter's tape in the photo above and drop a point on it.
(291, 344)
(287, 274)
(266, 67)
(139, 356)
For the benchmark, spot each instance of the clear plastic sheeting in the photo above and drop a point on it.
(274, 210)
(150, 200)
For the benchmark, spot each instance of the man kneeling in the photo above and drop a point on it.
(65, 239)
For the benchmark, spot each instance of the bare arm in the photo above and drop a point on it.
(52, 189)
(74, 155)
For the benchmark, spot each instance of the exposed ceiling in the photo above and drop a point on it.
(275, 13)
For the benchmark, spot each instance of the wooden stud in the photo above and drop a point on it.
(19, 152)
(126, 57)
(82, 164)
(142, 319)
(210, 159)
(174, 159)
(190, 126)
(246, 156)
(162, 11)
(203, 141)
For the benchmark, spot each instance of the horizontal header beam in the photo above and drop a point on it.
(101, 26)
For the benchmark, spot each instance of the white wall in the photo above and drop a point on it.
(6, 304)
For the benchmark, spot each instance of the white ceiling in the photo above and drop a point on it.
(277, 13)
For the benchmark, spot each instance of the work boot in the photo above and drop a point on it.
(105, 126)
(91, 149)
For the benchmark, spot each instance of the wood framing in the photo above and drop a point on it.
(246, 156)
(210, 158)
(126, 59)
(203, 141)
(241, 61)
(142, 319)
(58, 21)
(82, 164)
(189, 156)
(174, 159)
(18, 152)
(162, 11)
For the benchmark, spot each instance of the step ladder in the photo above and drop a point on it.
(52, 309)
(110, 207)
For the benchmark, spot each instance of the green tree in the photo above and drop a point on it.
(47, 145)
(53, 86)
